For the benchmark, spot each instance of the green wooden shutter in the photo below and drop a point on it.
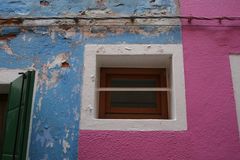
(18, 117)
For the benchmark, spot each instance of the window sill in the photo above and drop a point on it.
(133, 124)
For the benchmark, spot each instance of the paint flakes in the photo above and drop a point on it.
(72, 136)
(40, 103)
(52, 35)
(53, 80)
(92, 78)
(76, 89)
(90, 108)
(70, 33)
(24, 37)
(49, 144)
(49, 75)
(98, 12)
(45, 138)
(65, 146)
(60, 58)
(67, 132)
(76, 114)
(7, 49)
(127, 48)
(66, 31)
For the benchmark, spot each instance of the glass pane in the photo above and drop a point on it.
(133, 99)
(120, 82)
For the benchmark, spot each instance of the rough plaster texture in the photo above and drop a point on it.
(211, 112)
(56, 53)
(212, 125)
(10, 8)
(55, 121)
(56, 116)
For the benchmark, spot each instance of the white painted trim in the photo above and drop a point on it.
(9, 75)
(6, 77)
(154, 52)
(235, 69)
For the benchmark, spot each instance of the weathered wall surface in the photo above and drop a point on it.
(56, 108)
(56, 53)
(57, 56)
(20, 8)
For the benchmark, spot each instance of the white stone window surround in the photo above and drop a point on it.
(235, 70)
(147, 55)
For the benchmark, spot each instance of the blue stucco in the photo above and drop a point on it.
(13, 8)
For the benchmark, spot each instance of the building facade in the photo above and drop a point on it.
(67, 42)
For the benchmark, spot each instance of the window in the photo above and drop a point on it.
(133, 87)
(133, 93)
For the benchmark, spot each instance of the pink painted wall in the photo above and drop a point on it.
(211, 113)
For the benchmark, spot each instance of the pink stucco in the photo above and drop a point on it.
(211, 112)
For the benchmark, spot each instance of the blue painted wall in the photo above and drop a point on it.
(9, 8)
(56, 53)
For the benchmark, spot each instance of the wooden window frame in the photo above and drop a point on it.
(108, 112)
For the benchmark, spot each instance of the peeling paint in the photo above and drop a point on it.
(7, 49)
(65, 146)
(67, 133)
(45, 138)
(66, 32)
(56, 112)
(40, 103)
(59, 59)
(50, 72)
(49, 144)
(52, 81)
(76, 114)
(55, 49)
(87, 8)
